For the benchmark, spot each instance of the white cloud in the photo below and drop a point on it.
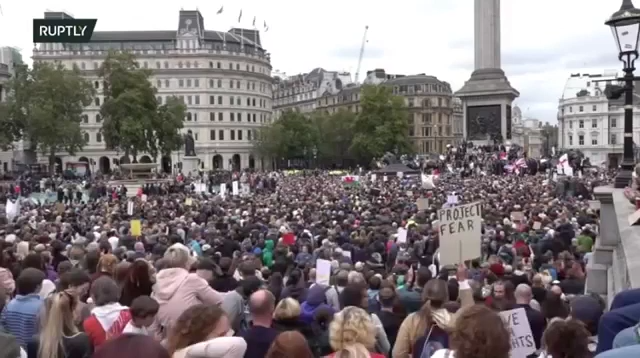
(542, 41)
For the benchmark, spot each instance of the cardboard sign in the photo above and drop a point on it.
(323, 272)
(537, 225)
(517, 216)
(594, 204)
(409, 193)
(130, 208)
(423, 204)
(60, 208)
(522, 342)
(460, 229)
(188, 201)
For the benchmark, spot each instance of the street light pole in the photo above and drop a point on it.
(625, 25)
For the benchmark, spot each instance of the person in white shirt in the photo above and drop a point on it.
(143, 311)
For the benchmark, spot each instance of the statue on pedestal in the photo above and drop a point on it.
(189, 145)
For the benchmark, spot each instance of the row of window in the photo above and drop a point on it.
(188, 64)
(428, 102)
(613, 123)
(213, 83)
(594, 108)
(214, 134)
(220, 116)
(436, 131)
(613, 139)
(232, 101)
(233, 117)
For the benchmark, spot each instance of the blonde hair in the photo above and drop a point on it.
(177, 256)
(355, 277)
(57, 320)
(352, 333)
(287, 308)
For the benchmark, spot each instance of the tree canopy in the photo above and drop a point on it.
(134, 122)
(44, 105)
(341, 138)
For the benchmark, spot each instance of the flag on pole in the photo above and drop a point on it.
(254, 21)
(266, 28)
(220, 11)
(351, 180)
(240, 16)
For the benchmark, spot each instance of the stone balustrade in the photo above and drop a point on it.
(615, 265)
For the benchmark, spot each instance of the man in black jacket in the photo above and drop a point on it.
(536, 320)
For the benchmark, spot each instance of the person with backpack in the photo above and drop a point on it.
(427, 330)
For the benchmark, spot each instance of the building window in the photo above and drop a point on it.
(212, 134)
(219, 99)
(232, 135)
(594, 108)
(570, 109)
(580, 139)
(221, 134)
(159, 100)
(157, 64)
(230, 83)
(594, 141)
(570, 140)
(99, 138)
(189, 100)
(166, 83)
(210, 83)
(581, 109)
(220, 117)
(158, 84)
(614, 122)
(196, 83)
(197, 98)
(594, 123)
(195, 136)
(188, 82)
(97, 101)
(219, 65)
(613, 138)
(231, 100)
(212, 116)
(219, 83)
(230, 66)
(166, 64)
(239, 134)
(98, 118)
(232, 118)
(145, 64)
(239, 117)
(180, 64)
(581, 123)
(189, 116)
(180, 83)
(86, 137)
(249, 134)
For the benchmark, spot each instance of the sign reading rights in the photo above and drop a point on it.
(63, 30)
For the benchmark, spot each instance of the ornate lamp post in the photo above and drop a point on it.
(625, 25)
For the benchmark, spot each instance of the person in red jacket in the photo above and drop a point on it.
(109, 318)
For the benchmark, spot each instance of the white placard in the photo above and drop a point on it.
(12, 209)
(402, 235)
(373, 178)
(223, 190)
(568, 171)
(235, 189)
(452, 199)
(323, 271)
(384, 178)
(522, 342)
(144, 198)
(130, 208)
(460, 231)
(559, 169)
(400, 174)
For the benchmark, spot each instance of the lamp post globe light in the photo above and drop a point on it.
(625, 25)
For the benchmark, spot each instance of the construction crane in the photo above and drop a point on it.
(364, 42)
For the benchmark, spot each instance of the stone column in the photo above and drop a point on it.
(487, 34)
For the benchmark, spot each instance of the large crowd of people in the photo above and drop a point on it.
(187, 273)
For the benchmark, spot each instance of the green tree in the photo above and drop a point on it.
(333, 136)
(381, 126)
(133, 121)
(166, 124)
(291, 137)
(45, 105)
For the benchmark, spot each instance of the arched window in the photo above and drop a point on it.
(188, 64)
(86, 137)
(189, 116)
(180, 64)
(210, 64)
(98, 118)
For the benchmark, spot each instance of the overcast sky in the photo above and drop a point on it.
(543, 41)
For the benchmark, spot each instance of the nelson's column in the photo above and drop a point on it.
(487, 95)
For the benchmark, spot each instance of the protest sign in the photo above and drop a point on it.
(537, 225)
(323, 271)
(130, 208)
(594, 204)
(223, 190)
(517, 216)
(460, 230)
(136, 228)
(423, 204)
(235, 189)
(402, 235)
(522, 343)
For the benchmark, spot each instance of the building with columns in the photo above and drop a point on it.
(224, 79)
(526, 132)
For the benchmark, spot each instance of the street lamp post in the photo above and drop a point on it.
(625, 25)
